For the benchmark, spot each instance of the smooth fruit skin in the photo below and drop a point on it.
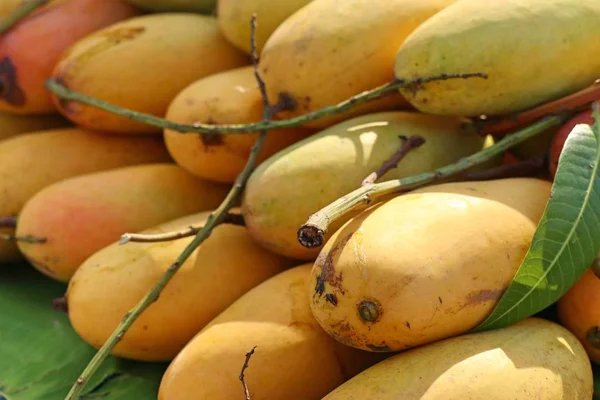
(197, 6)
(15, 124)
(230, 97)
(30, 49)
(113, 280)
(294, 358)
(558, 142)
(82, 215)
(427, 265)
(300, 180)
(29, 162)
(498, 38)
(579, 312)
(534, 359)
(329, 51)
(142, 64)
(234, 19)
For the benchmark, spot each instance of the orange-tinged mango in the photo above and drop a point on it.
(32, 161)
(234, 19)
(426, 265)
(142, 64)
(513, 42)
(81, 215)
(579, 312)
(534, 359)
(31, 48)
(294, 358)
(230, 97)
(329, 50)
(116, 278)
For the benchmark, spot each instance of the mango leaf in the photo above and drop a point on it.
(567, 239)
(41, 355)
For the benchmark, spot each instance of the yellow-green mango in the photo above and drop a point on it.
(197, 6)
(234, 19)
(29, 162)
(82, 215)
(426, 265)
(533, 359)
(330, 50)
(533, 51)
(113, 280)
(300, 180)
(15, 124)
(293, 359)
(229, 97)
(141, 64)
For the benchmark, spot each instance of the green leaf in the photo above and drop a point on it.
(41, 355)
(567, 239)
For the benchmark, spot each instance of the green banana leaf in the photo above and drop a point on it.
(41, 355)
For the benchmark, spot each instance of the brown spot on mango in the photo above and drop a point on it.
(328, 274)
(10, 91)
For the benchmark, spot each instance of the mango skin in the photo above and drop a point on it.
(30, 49)
(320, 64)
(82, 215)
(300, 180)
(113, 280)
(175, 49)
(578, 312)
(32, 161)
(291, 349)
(234, 19)
(411, 270)
(230, 97)
(534, 359)
(197, 6)
(495, 39)
(15, 124)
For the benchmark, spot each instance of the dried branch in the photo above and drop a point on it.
(244, 367)
(214, 219)
(530, 167)
(25, 8)
(408, 144)
(229, 218)
(312, 233)
(65, 93)
(8, 222)
(24, 239)
(577, 101)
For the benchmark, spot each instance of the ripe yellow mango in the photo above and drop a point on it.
(294, 358)
(426, 265)
(301, 179)
(198, 6)
(533, 359)
(329, 50)
(234, 19)
(82, 215)
(31, 48)
(514, 42)
(579, 311)
(32, 161)
(113, 280)
(230, 97)
(15, 124)
(141, 64)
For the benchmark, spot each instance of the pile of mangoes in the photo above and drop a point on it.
(384, 310)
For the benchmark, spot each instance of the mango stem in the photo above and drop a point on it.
(64, 93)
(24, 239)
(25, 8)
(215, 218)
(312, 233)
(8, 222)
(408, 143)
